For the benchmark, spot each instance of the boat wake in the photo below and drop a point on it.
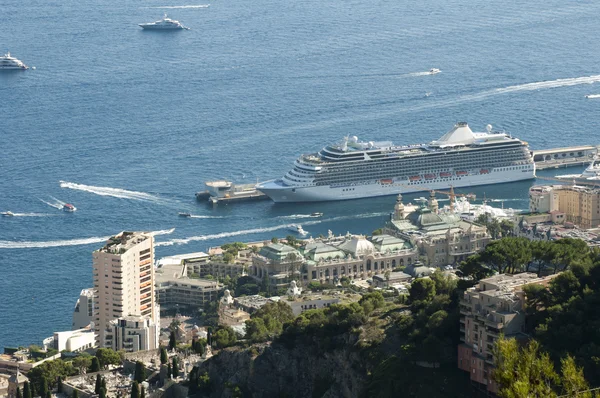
(427, 103)
(6, 244)
(162, 232)
(57, 204)
(181, 7)
(296, 216)
(195, 216)
(31, 214)
(184, 241)
(114, 192)
(592, 96)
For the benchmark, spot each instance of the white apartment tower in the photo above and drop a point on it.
(123, 282)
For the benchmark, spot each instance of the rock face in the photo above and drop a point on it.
(304, 369)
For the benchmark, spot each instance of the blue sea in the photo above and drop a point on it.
(133, 122)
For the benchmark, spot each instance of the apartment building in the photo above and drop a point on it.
(492, 308)
(83, 314)
(175, 290)
(579, 205)
(133, 333)
(123, 282)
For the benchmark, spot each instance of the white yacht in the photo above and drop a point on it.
(8, 214)
(433, 71)
(354, 169)
(590, 175)
(9, 62)
(164, 24)
(299, 230)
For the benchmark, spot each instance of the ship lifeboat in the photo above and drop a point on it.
(461, 173)
(445, 175)
(429, 176)
(484, 171)
(414, 178)
(386, 181)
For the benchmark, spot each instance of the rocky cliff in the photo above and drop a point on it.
(298, 370)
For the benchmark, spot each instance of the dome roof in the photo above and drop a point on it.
(357, 245)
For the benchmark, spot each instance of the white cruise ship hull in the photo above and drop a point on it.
(281, 194)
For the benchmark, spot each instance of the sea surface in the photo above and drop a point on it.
(133, 122)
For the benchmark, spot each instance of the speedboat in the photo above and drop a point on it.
(8, 214)
(433, 71)
(185, 215)
(316, 214)
(298, 229)
(7, 62)
(164, 24)
(69, 208)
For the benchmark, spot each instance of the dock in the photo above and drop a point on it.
(222, 191)
(564, 157)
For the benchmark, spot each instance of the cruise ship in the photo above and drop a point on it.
(8, 62)
(355, 169)
(164, 24)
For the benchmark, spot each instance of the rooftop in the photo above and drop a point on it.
(124, 241)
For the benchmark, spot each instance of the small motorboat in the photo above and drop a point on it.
(298, 229)
(8, 214)
(316, 214)
(69, 208)
(433, 71)
(185, 215)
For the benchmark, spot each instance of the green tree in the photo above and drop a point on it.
(95, 367)
(49, 394)
(49, 371)
(75, 394)
(274, 240)
(164, 358)
(172, 340)
(175, 368)
(224, 337)
(169, 371)
(27, 390)
(102, 393)
(98, 384)
(44, 388)
(573, 381)
(19, 395)
(443, 284)
(228, 258)
(135, 390)
(523, 373)
(59, 386)
(107, 356)
(143, 392)
(103, 386)
(140, 372)
(422, 290)
(82, 362)
(33, 389)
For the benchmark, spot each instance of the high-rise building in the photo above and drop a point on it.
(123, 282)
(83, 314)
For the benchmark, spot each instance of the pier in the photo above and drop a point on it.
(564, 157)
(226, 191)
